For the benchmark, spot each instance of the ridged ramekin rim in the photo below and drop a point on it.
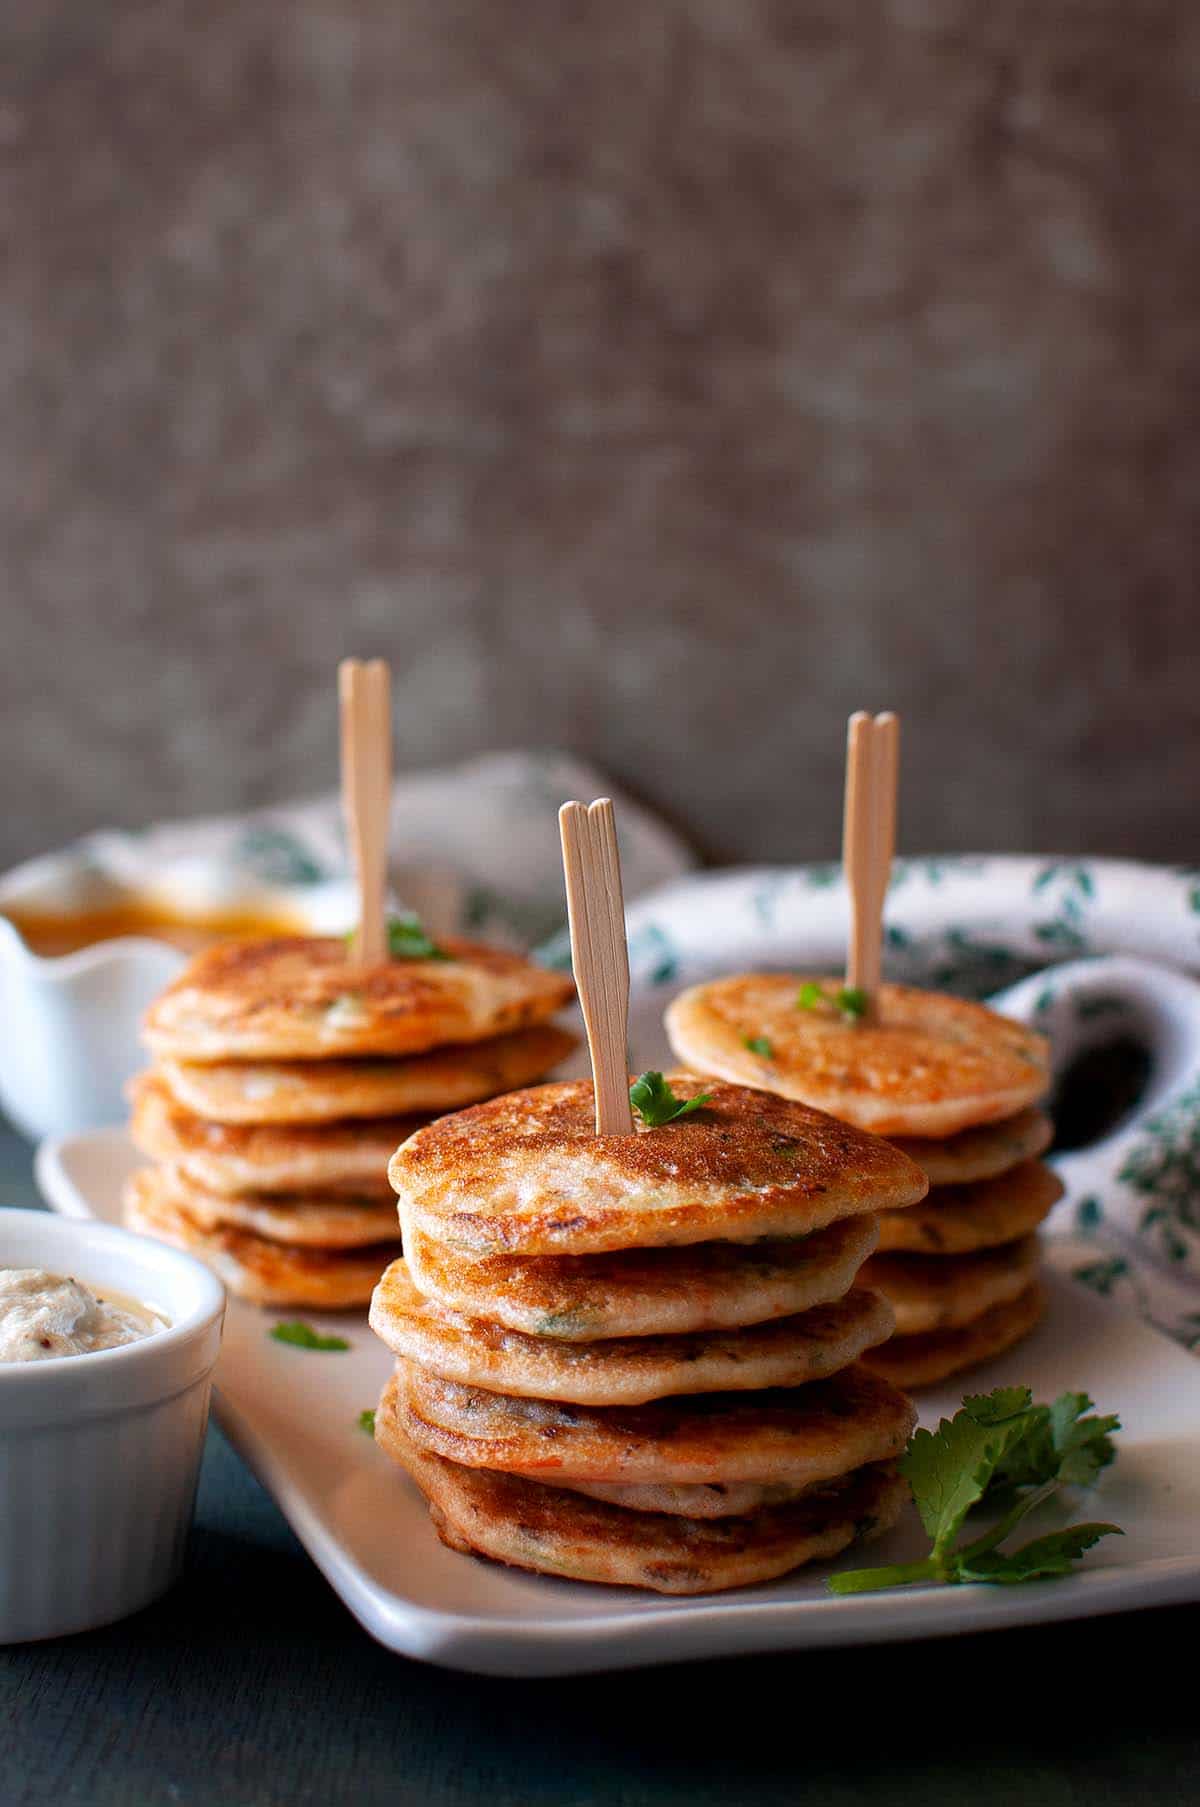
(160, 1349)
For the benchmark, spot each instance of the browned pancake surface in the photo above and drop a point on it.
(922, 1361)
(327, 1091)
(255, 1267)
(709, 1501)
(942, 1292)
(527, 1174)
(803, 1435)
(305, 997)
(928, 1065)
(641, 1292)
(228, 1157)
(555, 1532)
(954, 1220)
(625, 1370)
(307, 1219)
(982, 1153)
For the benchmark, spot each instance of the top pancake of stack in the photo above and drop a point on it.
(923, 1065)
(306, 998)
(526, 1174)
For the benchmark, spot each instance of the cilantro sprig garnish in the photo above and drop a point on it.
(303, 1336)
(366, 1420)
(849, 1001)
(760, 1045)
(1002, 1450)
(656, 1104)
(408, 939)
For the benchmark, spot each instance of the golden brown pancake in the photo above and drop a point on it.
(254, 1267)
(928, 1065)
(304, 997)
(922, 1361)
(801, 1436)
(526, 1174)
(239, 1157)
(646, 1292)
(711, 1501)
(307, 1219)
(554, 1532)
(625, 1370)
(980, 1154)
(954, 1220)
(328, 1091)
(943, 1292)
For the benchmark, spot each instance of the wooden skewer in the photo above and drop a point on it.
(855, 840)
(365, 691)
(596, 909)
(869, 840)
(887, 785)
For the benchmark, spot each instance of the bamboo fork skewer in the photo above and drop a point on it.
(365, 692)
(599, 954)
(869, 841)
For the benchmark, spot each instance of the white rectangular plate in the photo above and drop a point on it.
(293, 1416)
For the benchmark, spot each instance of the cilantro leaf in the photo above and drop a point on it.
(366, 1420)
(1039, 1559)
(1083, 1444)
(656, 1104)
(303, 1336)
(849, 1001)
(949, 1470)
(407, 940)
(1001, 1402)
(1062, 1444)
(758, 1044)
(999, 1447)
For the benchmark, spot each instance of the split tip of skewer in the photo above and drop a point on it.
(568, 811)
(348, 669)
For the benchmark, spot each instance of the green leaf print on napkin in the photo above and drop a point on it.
(276, 856)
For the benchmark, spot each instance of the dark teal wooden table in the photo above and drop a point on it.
(252, 1684)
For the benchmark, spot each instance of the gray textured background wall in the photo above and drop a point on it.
(660, 380)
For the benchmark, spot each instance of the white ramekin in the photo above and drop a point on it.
(99, 1454)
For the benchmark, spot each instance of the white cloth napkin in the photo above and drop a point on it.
(474, 847)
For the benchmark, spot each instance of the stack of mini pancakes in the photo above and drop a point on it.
(952, 1084)
(635, 1359)
(285, 1075)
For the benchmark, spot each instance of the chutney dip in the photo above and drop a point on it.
(44, 1316)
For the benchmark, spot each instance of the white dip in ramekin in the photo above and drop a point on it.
(46, 1317)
